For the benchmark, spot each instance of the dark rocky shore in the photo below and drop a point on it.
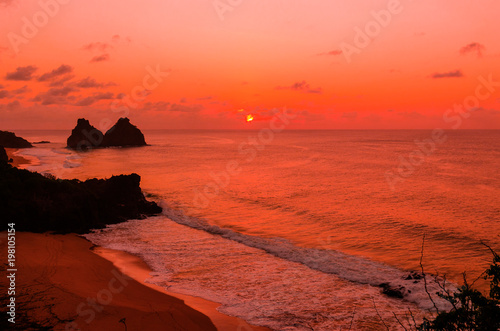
(10, 140)
(37, 203)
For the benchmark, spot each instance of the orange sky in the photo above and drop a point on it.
(412, 62)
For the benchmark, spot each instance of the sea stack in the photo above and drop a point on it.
(123, 133)
(84, 136)
(10, 140)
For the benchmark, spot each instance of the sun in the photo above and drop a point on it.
(249, 117)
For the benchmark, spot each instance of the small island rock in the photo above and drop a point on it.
(84, 136)
(123, 134)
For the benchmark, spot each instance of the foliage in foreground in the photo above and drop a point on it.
(471, 309)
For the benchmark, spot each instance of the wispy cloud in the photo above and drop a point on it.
(171, 107)
(100, 58)
(450, 74)
(302, 86)
(97, 46)
(21, 90)
(62, 70)
(56, 96)
(22, 73)
(4, 94)
(94, 98)
(476, 48)
(89, 82)
(11, 105)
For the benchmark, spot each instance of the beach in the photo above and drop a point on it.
(88, 292)
(62, 271)
(17, 160)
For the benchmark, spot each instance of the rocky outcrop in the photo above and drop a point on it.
(38, 204)
(10, 140)
(395, 291)
(3, 155)
(123, 133)
(84, 136)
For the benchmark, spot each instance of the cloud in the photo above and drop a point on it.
(94, 98)
(171, 107)
(349, 115)
(62, 81)
(22, 90)
(56, 96)
(9, 94)
(205, 98)
(185, 108)
(22, 73)
(89, 82)
(100, 58)
(450, 74)
(62, 70)
(332, 53)
(11, 105)
(97, 46)
(473, 48)
(302, 86)
(4, 94)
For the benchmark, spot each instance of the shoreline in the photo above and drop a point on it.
(68, 283)
(61, 284)
(17, 160)
(134, 267)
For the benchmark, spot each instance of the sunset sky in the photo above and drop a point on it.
(61, 60)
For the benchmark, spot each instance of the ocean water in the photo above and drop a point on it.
(296, 231)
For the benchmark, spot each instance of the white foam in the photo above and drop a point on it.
(249, 283)
(348, 267)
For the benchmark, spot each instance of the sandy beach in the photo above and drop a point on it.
(69, 285)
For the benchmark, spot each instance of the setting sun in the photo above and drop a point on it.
(249, 117)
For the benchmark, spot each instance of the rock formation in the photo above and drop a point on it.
(10, 140)
(3, 155)
(123, 133)
(37, 203)
(84, 136)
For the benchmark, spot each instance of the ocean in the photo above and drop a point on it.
(296, 231)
